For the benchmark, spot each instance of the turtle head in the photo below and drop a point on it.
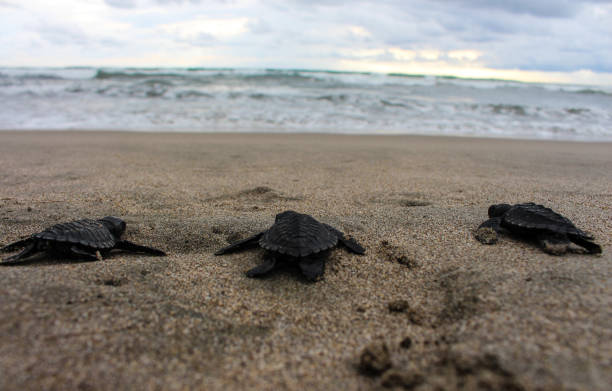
(285, 214)
(115, 225)
(498, 209)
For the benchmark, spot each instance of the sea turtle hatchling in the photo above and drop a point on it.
(87, 239)
(298, 238)
(553, 231)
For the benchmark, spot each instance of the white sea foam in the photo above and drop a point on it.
(207, 100)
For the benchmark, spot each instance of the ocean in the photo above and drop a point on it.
(271, 100)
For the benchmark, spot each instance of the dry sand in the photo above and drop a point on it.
(474, 316)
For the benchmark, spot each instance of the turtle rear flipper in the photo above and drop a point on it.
(350, 243)
(313, 267)
(137, 248)
(592, 248)
(241, 244)
(554, 245)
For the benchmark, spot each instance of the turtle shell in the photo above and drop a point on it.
(533, 217)
(86, 232)
(298, 235)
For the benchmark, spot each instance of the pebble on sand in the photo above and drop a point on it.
(375, 359)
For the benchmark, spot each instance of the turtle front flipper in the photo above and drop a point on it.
(581, 240)
(493, 223)
(268, 264)
(487, 231)
(14, 246)
(241, 244)
(30, 250)
(137, 248)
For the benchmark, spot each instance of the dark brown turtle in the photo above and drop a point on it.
(298, 238)
(553, 231)
(87, 239)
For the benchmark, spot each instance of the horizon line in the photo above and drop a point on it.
(416, 75)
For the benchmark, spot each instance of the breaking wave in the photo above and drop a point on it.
(225, 99)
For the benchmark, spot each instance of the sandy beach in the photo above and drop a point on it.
(452, 313)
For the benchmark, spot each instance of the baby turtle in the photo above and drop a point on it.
(85, 239)
(553, 231)
(298, 238)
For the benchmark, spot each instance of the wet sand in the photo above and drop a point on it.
(463, 314)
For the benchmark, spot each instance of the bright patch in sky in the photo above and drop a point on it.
(530, 40)
(467, 55)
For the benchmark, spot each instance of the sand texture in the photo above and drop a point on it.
(428, 307)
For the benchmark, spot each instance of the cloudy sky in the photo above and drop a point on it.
(532, 40)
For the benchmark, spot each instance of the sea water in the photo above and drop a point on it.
(270, 100)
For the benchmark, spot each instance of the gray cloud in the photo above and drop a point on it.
(541, 8)
(121, 3)
(548, 35)
(9, 4)
(516, 34)
(143, 3)
(182, 1)
(66, 36)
